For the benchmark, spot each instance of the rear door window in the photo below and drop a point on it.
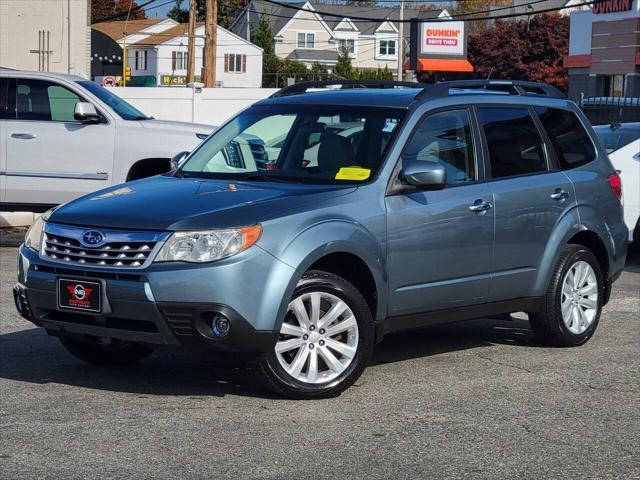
(44, 101)
(570, 140)
(513, 140)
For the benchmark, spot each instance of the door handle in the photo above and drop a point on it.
(560, 194)
(23, 136)
(480, 206)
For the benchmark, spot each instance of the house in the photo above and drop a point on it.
(156, 52)
(308, 36)
(45, 36)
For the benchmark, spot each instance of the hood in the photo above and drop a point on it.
(172, 203)
(154, 124)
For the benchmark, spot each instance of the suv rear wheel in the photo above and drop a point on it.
(325, 341)
(573, 301)
(105, 351)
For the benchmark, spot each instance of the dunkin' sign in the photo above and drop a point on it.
(442, 38)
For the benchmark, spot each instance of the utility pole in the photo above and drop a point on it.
(400, 48)
(191, 49)
(210, 41)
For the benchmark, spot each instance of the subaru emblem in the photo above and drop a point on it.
(92, 238)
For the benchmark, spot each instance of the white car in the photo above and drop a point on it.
(622, 143)
(63, 136)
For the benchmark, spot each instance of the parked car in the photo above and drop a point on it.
(310, 267)
(66, 136)
(622, 143)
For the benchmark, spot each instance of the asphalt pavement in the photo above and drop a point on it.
(480, 399)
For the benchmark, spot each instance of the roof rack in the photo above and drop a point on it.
(302, 87)
(440, 89)
(512, 87)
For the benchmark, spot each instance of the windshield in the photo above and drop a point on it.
(297, 143)
(615, 138)
(122, 108)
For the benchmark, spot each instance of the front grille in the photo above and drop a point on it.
(113, 254)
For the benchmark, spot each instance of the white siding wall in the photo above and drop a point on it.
(20, 21)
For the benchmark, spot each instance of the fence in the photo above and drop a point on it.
(606, 110)
(210, 105)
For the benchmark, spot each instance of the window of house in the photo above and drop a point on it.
(349, 44)
(178, 60)
(515, 145)
(306, 40)
(235, 63)
(570, 140)
(44, 101)
(141, 59)
(387, 47)
(446, 138)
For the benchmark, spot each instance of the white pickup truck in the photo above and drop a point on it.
(63, 136)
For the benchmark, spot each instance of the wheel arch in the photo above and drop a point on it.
(584, 229)
(329, 246)
(147, 167)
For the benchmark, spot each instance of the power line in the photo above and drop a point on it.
(369, 19)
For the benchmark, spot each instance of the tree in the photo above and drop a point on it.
(179, 14)
(101, 10)
(523, 50)
(228, 10)
(467, 7)
(262, 35)
(343, 68)
(318, 71)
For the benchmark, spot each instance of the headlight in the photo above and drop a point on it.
(33, 238)
(209, 245)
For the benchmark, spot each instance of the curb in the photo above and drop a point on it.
(16, 219)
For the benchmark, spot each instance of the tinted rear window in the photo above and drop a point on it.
(515, 145)
(570, 140)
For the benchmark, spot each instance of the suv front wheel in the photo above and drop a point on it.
(325, 341)
(573, 300)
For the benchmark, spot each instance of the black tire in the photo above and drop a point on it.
(548, 325)
(284, 384)
(105, 353)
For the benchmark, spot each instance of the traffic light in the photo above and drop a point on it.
(127, 73)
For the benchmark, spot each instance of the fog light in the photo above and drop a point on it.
(220, 326)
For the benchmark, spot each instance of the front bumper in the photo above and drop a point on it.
(171, 305)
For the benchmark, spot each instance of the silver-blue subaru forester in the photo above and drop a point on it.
(315, 222)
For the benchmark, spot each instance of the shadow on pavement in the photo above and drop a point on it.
(33, 356)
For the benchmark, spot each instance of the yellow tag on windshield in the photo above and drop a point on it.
(353, 173)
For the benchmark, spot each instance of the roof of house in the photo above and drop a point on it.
(116, 30)
(308, 55)
(179, 30)
(279, 15)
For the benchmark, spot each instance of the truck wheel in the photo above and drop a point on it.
(325, 342)
(573, 301)
(105, 351)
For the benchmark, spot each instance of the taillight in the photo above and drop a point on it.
(616, 184)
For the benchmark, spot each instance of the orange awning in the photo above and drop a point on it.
(444, 65)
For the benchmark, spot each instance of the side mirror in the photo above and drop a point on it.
(178, 159)
(85, 112)
(424, 175)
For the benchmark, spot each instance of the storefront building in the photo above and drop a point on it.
(604, 50)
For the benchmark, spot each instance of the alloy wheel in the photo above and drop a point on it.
(579, 300)
(318, 339)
